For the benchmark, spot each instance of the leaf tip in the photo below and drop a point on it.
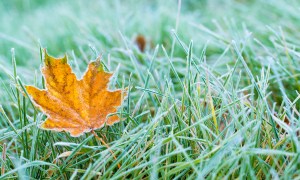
(98, 65)
(49, 59)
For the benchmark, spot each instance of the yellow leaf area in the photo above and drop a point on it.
(72, 105)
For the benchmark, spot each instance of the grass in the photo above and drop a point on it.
(214, 95)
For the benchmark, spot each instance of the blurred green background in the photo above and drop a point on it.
(84, 29)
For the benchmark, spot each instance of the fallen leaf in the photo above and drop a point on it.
(140, 41)
(72, 105)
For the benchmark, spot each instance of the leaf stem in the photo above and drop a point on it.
(106, 145)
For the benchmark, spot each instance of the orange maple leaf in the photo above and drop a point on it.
(72, 105)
